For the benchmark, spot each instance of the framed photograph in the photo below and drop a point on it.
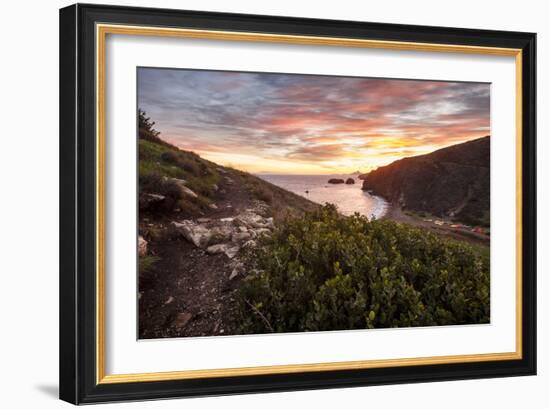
(258, 203)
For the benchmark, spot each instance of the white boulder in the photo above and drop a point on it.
(142, 246)
(184, 189)
(197, 234)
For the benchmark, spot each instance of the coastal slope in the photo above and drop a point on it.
(453, 182)
(196, 220)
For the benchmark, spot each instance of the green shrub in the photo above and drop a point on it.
(150, 161)
(150, 182)
(175, 198)
(203, 186)
(171, 157)
(146, 263)
(155, 183)
(260, 190)
(192, 167)
(154, 233)
(324, 271)
(188, 207)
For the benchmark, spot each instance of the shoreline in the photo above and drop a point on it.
(348, 198)
(443, 227)
(383, 207)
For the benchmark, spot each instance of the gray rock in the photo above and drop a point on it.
(182, 319)
(216, 249)
(142, 246)
(188, 191)
(230, 250)
(250, 219)
(237, 269)
(220, 233)
(241, 236)
(262, 231)
(150, 200)
(184, 189)
(197, 234)
(260, 207)
(166, 178)
(249, 244)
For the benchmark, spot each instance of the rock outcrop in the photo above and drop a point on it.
(180, 183)
(350, 181)
(142, 246)
(150, 201)
(336, 181)
(225, 235)
(196, 233)
(450, 182)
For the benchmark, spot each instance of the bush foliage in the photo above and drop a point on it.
(324, 271)
(146, 263)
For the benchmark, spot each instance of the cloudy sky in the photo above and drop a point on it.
(303, 124)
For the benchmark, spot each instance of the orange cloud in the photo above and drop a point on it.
(307, 123)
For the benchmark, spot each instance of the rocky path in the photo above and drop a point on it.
(192, 289)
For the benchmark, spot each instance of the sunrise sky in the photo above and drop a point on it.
(304, 124)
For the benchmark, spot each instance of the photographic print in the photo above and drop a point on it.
(274, 187)
(276, 203)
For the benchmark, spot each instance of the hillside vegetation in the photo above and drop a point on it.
(325, 271)
(190, 185)
(452, 182)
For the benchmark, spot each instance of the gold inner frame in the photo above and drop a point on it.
(101, 33)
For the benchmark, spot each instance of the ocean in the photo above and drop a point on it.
(349, 199)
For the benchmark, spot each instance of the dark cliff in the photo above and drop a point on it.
(450, 182)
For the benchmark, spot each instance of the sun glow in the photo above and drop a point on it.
(303, 124)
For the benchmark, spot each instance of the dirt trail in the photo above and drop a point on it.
(395, 213)
(189, 292)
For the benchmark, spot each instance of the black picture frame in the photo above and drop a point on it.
(78, 360)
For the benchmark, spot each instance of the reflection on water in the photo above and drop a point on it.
(348, 198)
